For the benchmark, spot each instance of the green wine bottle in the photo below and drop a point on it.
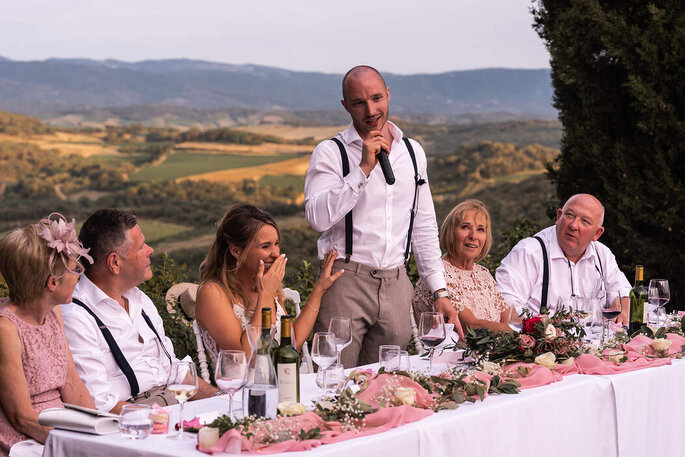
(287, 362)
(638, 297)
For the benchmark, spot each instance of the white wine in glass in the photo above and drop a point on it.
(183, 384)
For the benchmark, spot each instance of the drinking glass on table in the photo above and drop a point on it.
(135, 421)
(342, 328)
(231, 373)
(431, 333)
(404, 361)
(324, 353)
(610, 311)
(659, 294)
(389, 357)
(183, 384)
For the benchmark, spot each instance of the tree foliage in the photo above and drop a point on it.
(618, 70)
(16, 124)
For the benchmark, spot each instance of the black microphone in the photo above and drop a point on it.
(385, 166)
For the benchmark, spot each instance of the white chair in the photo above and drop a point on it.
(307, 366)
(186, 293)
(415, 332)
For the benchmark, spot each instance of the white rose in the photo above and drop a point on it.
(491, 368)
(661, 344)
(546, 360)
(291, 408)
(550, 332)
(617, 358)
(405, 396)
(568, 362)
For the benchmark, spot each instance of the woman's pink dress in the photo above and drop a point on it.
(45, 368)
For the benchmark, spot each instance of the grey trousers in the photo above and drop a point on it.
(378, 302)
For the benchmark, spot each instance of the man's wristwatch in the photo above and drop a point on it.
(440, 293)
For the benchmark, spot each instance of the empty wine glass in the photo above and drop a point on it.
(231, 373)
(431, 333)
(183, 384)
(324, 353)
(342, 328)
(610, 310)
(659, 294)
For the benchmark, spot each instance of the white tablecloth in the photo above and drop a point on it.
(631, 414)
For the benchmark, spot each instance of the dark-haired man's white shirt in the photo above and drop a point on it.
(93, 359)
(519, 277)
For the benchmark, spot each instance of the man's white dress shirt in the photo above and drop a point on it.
(380, 212)
(519, 277)
(93, 359)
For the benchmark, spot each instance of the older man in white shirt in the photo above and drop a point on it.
(373, 241)
(579, 266)
(108, 296)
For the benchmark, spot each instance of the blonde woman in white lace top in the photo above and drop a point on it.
(466, 236)
(241, 274)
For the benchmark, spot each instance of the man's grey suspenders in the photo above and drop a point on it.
(348, 217)
(123, 364)
(545, 274)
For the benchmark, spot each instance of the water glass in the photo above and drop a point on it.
(404, 361)
(389, 357)
(135, 421)
(335, 377)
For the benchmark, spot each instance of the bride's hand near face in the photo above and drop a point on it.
(268, 282)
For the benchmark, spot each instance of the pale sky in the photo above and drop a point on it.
(398, 36)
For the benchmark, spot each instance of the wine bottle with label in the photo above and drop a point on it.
(261, 391)
(287, 361)
(638, 297)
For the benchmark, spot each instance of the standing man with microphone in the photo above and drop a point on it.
(371, 214)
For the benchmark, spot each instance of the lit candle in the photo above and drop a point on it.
(208, 436)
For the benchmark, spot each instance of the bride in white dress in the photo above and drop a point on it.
(243, 273)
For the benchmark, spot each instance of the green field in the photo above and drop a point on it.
(153, 230)
(283, 181)
(186, 164)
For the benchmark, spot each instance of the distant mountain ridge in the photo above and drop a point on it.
(62, 85)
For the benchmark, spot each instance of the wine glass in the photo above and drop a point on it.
(659, 294)
(431, 333)
(324, 353)
(183, 384)
(610, 310)
(389, 357)
(342, 328)
(231, 373)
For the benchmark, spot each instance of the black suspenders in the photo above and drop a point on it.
(545, 274)
(348, 217)
(123, 364)
(545, 277)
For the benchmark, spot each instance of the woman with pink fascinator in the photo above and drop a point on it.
(40, 264)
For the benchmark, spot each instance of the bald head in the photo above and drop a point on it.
(358, 72)
(579, 223)
(589, 201)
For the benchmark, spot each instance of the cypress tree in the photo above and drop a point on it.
(618, 71)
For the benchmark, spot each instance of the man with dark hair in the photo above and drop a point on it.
(373, 239)
(107, 300)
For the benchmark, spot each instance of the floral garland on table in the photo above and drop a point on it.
(543, 340)
(349, 408)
